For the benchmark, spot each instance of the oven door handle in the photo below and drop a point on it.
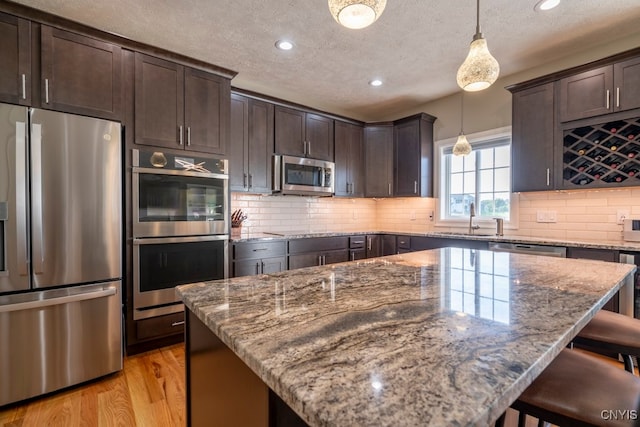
(185, 239)
(137, 169)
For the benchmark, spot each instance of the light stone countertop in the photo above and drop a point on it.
(443, 337)
(618, 245)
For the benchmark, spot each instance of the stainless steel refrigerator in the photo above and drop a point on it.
(60, 250)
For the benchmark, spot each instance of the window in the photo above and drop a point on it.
(482, 178)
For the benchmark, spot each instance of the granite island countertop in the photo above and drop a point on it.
(442, 337)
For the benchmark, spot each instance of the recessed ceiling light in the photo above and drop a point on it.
(284, 45)
(546, 4)
(376, 82)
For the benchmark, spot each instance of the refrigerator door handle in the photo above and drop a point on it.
(36, 187)
(29, 305)
(21, 198)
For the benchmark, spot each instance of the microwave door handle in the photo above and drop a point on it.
(36, 198)
(21, 198)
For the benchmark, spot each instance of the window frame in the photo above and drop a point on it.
(477, 140)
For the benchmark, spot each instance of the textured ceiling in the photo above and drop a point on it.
(415, 47)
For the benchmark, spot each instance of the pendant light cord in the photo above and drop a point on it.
(462, 112)
(478, 34)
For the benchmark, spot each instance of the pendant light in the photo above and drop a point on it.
(480, 69)
(462, 146)
(356, 14)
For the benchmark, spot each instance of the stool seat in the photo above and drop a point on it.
(576, 388)
(612, 331)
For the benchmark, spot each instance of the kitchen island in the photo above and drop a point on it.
(442, 337)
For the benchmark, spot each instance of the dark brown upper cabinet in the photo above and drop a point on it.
(349, 175)
(303, 134)
(180, 107)
(250, 145)
(378, 149)
(15, 57)
(604, 90)
(80, 74)
(413, 156)
(532, 146)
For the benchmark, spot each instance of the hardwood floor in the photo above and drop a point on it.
(149, 391)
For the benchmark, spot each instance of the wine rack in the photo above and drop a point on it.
(603, 154)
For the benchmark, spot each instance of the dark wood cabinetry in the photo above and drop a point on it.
(251, 145)
(317, 251)
(600, 255)
(160, 326)
(303, 134)
(603, 90)
(413, 156)
(180, 107)
(15, 60)
(532, 148)
(349, 175)
(251, 258)
(374, 246)
(378, 149)
(80, 75)
(584, 134)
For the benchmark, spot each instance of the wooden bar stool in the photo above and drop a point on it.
(612, 333)
(577, 389)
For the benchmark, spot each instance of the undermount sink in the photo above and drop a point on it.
(457, 233)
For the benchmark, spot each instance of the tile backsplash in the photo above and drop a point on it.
(580, 214)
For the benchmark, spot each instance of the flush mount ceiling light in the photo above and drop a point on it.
(462, 146)
(546, 4)
(284, 45)
(480, 70)
(356, 14)
(376, 82)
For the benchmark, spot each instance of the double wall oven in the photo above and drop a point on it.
(180, 227)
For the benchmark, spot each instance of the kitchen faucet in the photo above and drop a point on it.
(472, 213)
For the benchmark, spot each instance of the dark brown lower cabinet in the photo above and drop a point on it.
(160, 326)
(259, 266)
(259, 257)
(601, 255)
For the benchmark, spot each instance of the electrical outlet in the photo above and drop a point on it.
(552, 216)
(541, 216)
(621, 216)
(412, 216)
(354, 214)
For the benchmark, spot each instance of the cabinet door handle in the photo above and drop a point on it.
(262, 267)
(389, 188)
(24, 86)
(180, 323)
(257, 268)
(46, 91)
(304, 147)
(188, 135)
(369, 243)
(250, 180)
(548, 177)
(353, 256)
(260, 249)
(415, 187)
(324, 260)
(319, 259)
(180, 135)
(244, 180)
(617, 97)
(608, 96)
(309, 148)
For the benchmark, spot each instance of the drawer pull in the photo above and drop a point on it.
(260, 249)
(180, 323)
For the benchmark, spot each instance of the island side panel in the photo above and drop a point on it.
(221, 389)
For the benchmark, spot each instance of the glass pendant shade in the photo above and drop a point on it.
(480, 70)
(462, 146)
(356, 14)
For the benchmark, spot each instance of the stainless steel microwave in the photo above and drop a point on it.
(303, 176)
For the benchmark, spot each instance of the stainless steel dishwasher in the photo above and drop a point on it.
(521, 248)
